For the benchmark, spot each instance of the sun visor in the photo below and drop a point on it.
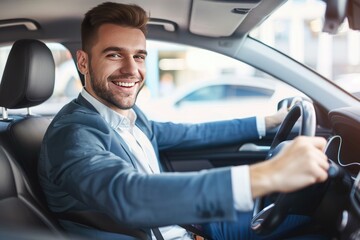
(221, 23)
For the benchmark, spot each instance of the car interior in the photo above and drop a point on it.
(28, 81)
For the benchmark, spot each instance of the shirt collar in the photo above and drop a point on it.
(116, 120)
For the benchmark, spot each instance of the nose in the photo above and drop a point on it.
(129, 66)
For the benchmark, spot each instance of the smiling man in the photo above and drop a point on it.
(115, 74)
(100, 153)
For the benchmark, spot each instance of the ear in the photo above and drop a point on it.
(82, 61)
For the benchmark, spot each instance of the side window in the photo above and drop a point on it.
(238, 92)
(4, 53)
(67, 80)
(226, 92)
(212, 93)
(187, 84)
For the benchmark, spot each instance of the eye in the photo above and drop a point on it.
(140, 57)
(113, 55)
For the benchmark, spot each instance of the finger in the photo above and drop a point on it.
(311, 142)
(283, 108)
(323, 161)
(318, 142)
(320, 165)
(322, 176)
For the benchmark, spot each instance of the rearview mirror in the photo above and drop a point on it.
(337, 11)
(335, 14)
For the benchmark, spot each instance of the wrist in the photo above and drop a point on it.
(275, 119)
(262, 181)
(268, 122)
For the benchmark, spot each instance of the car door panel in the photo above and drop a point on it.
(195, 159)
(216, 156)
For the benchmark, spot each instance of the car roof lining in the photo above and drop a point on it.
(186, 15)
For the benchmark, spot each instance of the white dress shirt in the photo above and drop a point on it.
(147, 162)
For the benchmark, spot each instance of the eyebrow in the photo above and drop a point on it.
(117, 49)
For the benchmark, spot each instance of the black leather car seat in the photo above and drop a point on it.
(28, 80)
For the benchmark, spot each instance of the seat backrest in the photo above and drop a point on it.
(28, 80)
(19, 211)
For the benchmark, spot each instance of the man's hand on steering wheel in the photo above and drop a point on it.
(277, 118)
(292, 167)
(299, 164)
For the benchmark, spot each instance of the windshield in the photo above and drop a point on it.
(296, 30)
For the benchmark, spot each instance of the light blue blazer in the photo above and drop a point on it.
(85, 165)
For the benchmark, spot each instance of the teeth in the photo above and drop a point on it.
(125, 84)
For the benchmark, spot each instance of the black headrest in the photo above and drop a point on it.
(29, 75)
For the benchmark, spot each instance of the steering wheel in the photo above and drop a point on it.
(266, 219)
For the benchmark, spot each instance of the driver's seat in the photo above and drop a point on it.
(28, 80)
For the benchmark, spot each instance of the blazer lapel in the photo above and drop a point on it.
(83, 102)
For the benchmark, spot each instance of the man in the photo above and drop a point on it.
(100, 153)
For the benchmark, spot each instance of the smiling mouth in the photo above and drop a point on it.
(125, 84)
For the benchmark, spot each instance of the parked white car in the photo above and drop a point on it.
(219, 99)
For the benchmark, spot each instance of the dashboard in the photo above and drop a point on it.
(344, 150)
(346, 124)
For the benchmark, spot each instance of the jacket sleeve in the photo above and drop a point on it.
(175, 135)
(79, 160)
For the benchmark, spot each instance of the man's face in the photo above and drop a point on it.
(116, 66)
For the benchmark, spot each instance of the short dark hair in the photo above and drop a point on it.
(128, 15)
